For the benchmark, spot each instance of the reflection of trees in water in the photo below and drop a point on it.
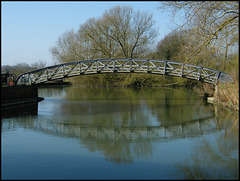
(109, 106)
(123, 110)
(228, 120)
(126, 144)
(169, 106)
(122, 144)
(182, 106)
(51, 92)
(121, 151)
(215, 161)
(132, 108)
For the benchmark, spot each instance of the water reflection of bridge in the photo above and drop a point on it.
(75, 130)
(118, 144)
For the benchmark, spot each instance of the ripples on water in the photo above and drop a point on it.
(119, 133)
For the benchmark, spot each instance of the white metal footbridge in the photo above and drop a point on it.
(87, 67)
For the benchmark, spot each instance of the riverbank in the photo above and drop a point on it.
(226, 95)
(55, 83)
(215, 101)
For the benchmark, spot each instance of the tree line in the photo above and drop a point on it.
(22, 67)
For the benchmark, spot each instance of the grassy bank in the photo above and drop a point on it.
(228, 95)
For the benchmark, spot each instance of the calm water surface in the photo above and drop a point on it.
(119, 133)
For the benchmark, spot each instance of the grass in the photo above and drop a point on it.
(229, 95)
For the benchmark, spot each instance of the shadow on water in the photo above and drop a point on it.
(19, 110)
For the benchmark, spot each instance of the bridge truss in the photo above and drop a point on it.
(98, 66)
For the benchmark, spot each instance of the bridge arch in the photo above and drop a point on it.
(98, 66)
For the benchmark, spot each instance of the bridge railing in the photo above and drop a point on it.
(87, 67)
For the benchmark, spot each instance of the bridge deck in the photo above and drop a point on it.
(87, 67)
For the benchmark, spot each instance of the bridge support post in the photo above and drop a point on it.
(216, 90)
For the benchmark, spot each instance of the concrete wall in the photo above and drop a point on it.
(18, 92)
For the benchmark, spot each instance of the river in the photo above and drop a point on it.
(119, 133)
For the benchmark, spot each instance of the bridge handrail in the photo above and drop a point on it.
(181, 70)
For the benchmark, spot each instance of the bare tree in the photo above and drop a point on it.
(97, 33)
(68, 48)
(119, 33)
(133, 31)
(39, 64)
(172, 45)
(209, 21)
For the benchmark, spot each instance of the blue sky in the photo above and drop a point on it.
(30, 29)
